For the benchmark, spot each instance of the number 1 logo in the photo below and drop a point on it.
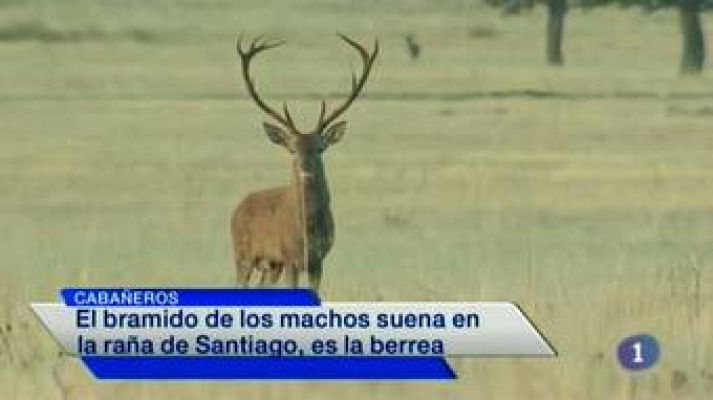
(638, 352)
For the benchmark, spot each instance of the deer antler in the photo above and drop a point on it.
(257, 46)
(357, 84)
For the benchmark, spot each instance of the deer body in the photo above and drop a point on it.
(268, 229)
(266, 234)
(290, 228)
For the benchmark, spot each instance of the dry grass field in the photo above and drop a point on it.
(583, 193)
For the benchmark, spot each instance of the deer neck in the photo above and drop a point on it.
(312, 190)
(313, 214)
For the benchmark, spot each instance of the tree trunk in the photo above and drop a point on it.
(694, 52)
(555, 28)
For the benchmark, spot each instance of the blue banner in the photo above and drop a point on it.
(269, 368)
(183, 297)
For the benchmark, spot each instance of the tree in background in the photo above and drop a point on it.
(694, 49)
(556, 10)
(693, 52)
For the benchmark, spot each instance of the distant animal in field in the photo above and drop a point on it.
(412, 46)
(290, 229)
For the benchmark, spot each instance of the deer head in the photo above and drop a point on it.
(306, 147)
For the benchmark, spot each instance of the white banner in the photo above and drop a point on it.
(331, 329)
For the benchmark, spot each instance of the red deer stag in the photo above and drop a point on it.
(290, 227)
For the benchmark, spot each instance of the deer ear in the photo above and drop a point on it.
(334, 133)
(275, 134)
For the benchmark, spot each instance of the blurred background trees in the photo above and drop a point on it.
(693, 52)
(556, 10)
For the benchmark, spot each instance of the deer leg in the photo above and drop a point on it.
(270, 273)
(263, 276)
(276, 269)
(244, 271)
(261, 281)
(293, 277)
(314, 271)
